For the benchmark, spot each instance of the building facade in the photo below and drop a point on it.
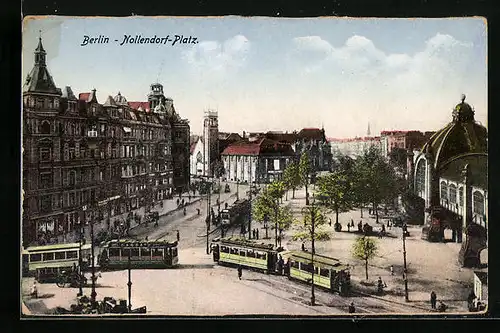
(408, 140)
(262, 161)
(450, 177)
(85, 161)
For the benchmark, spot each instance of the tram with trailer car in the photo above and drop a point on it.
(240, 251)
(46, 262)
(236, 213)
(329, 273)
(143, 254)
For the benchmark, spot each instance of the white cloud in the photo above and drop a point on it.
(213, 58)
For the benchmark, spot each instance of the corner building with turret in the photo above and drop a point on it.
(85, 161)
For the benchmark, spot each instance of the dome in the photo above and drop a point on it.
(461, 137)
(119, 99)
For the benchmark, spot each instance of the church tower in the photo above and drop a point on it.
(210, 141)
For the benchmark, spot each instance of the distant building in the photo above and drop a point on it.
(261, 161)
(210, 141)
(354, 147)
(408, 140)
(225, 139)
(309, 140)
(196, 153)
(481, 286)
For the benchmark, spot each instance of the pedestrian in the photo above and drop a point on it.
(184, 211)
(146, 238)
(433, 300)
(257, 233)
(198, 210)
(178, 201)
(34, 290)
(352, 309)
(348, 227)
(303, 246)
(392, 269)
(240, 271)
(352, 223)
(178, 236)
(253, 233)
(380, 285)
(442, 307)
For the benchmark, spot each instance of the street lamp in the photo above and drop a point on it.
(129, 268)
(313, 213)
(80, 262)
(405, 271)
(237, 189)
(209, 189)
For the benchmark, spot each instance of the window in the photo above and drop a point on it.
(45, 180)
(145, 252)
(45, 154)
(46, 203)
(114, 252)
(45, 127)
(35, 257)
(478, 199)
(251, 254)
(174, 252)
(60, 255)
(224, 249)
(461, 195)
(444, 191)
(243, 253)
(157, 253)
(420, 177)
(324, 272)
(48, 256)
(306, 267)
(134, 252)
(72, 254)
(453, 193)
(72, 178)
(295, 264)
(233, 251)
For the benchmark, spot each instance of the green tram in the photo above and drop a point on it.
(329, 273)
(239, 251)
(115, 254)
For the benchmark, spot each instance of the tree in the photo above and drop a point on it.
(291, 177)
(266, 206)
(304, 172)
(364, 248)
(311, 229)
(376, 179)
(335, 191)
(285, 220)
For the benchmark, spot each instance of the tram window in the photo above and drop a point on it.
(260, 255)
(60, 255)
(134, 252)
(315, 270)
(48, 256)
(324, 272)
(251, 254)
(224, 249)
(174, 252)
(243, 253)
(71, 254)
(145, 252)
(35, 257)
(125, 252)
(306, 267)
(114, 252)
(157, 253)
(295, 264)
(234, 251)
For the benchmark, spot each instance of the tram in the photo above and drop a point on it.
(46, 262)
(329, 273)
(116, 254)
(239, 251)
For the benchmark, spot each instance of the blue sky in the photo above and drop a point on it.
(279, 74)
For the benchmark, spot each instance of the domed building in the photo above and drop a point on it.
(450, 176)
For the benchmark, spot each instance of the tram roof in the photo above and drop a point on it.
(246, 243)
(320, 260)
(140, 243)
(51, 247)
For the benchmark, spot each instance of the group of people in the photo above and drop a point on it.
(441, 307)
(255, 233)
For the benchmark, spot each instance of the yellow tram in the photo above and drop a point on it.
(45, 262)
(329, 273)
(115, 254)
(240, 251)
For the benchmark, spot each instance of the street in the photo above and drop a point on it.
(201, 287)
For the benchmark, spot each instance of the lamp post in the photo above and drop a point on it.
(313, 213)
(94, 293)
(237, 189)
(276, 223)
(80, 262)
(129, 283)
(405, 271)
(209, 189)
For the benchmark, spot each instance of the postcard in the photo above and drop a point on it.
(252, 166)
